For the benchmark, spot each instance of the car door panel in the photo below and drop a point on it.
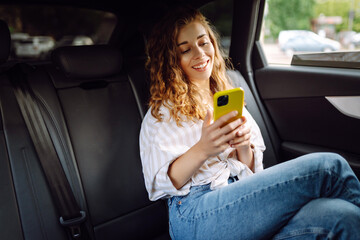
(306, 121)
(296, 81)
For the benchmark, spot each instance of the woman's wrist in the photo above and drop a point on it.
(200, 152)
(246, 155)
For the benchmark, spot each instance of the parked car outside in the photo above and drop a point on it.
(15, 39)
(345, 38)
(35, 47)
(305, 41)
(74, 41)
(355, 41)
(285, 35)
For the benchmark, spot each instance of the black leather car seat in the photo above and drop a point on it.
(93, 115)
(103, 115)
(9, 215)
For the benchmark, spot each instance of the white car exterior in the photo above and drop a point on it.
(286, 35)
(34, 47)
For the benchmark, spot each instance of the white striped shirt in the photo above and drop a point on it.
(163, 142)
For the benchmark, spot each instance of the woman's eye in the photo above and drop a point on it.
(185, 51)
(204, 43)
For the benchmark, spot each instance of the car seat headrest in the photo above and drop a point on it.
(5, 41)
(87, 62)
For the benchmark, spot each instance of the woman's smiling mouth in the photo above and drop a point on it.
(201, 67)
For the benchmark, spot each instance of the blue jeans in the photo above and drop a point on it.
(316, 196)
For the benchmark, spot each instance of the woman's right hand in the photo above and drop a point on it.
(215, 136)
(214, 139)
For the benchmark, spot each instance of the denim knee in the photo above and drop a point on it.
(327, 157)
(328, 161)
(324, 218)
(334, 158)
(348, 215)
(346, 219)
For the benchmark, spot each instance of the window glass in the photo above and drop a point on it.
(37, 30)
(299, 27)
(219, 13)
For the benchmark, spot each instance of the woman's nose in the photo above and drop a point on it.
(198, 52)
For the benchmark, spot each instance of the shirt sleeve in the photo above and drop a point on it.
(158, 151)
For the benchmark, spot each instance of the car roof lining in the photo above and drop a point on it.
(128, 8)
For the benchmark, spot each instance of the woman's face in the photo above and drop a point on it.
(196, 52)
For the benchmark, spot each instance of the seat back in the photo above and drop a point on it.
(92, 112)
(104, 118)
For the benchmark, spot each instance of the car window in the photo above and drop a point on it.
(37, 30)
(219, 13)
(309, 29)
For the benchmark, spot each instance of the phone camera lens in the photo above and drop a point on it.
(223, 100)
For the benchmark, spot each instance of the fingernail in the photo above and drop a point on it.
(239, 133)
(235, 113)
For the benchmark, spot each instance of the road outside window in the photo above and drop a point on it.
(309, 26)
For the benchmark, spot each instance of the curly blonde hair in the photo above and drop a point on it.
(169, 85)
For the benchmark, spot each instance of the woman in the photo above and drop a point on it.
(212, 174)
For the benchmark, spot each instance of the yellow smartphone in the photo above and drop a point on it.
(227, 101)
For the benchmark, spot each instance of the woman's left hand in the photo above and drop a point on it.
(242, 144)
(242, 138)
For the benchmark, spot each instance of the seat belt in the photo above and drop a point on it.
(71, 217)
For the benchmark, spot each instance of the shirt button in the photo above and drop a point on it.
(179, 202)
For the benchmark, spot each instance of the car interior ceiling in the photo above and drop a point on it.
(93, 112)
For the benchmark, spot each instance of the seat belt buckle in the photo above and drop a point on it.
(74, 225)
